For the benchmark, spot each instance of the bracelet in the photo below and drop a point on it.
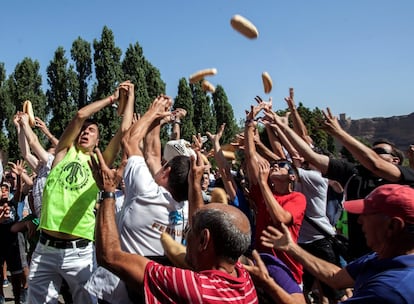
(178, 122)
(111, 99)
(105, 194)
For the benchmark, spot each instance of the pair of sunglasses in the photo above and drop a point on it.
(382, 151)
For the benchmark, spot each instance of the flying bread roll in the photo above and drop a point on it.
(197, 76)
(207, 86)
(244, 26)
(267, 82)
(28, 109)
(174, 251)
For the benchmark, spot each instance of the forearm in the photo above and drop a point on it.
(195, 199)
(53, 140)
(298, 125)
(250, 152)
(152, 148)
(274, 142)
(136, 134)
(108, 247)
(176, 130)
(318, 160)
(279, 295)
(368, 157)
(73, 128)
(285, 142)
(321, 269)
(276, 212)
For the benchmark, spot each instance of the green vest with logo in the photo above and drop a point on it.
(69, 197)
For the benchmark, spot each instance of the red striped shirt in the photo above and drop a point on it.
(165, 284)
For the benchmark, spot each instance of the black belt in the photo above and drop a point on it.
(61, 243)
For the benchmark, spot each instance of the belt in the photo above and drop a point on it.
(61, 243)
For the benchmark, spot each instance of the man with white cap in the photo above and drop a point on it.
(384, 276)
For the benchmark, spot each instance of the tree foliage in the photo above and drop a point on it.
(63, 92)
(92, 74)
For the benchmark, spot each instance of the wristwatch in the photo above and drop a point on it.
(105, 194)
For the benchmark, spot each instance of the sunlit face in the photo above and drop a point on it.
(374, 227)
(5, 191)
(88, 138)
(385, 152)
(205, 181)
(280, 171)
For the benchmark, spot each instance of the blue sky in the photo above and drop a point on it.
(354, 56)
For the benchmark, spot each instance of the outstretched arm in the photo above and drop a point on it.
(72, 130)
(365, 155)
(42, 126)
(129, 267)
(329, 273)
(229, 183)
(318, 160)
(31, 159)
(32, 139)
(261, 277)
(111, 151)
(298, 125)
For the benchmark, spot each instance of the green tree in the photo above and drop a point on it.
(82, 56)
(5, 104)
(63, 92)
(133, 69)
(203, 118)
(24, 84)
(224, 114)
(108, 73)
(184, 100)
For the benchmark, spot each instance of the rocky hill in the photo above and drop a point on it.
(398, 129)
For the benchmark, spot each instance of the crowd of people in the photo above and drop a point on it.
(90, 226)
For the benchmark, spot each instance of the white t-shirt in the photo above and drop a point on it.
(148, 210)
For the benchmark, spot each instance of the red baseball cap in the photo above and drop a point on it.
(390, 199)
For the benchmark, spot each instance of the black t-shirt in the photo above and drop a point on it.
(358, 182)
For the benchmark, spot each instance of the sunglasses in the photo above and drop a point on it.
(382, 151)
(282, 164)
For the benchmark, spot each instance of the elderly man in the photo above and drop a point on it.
(385, 276)
(218, 235)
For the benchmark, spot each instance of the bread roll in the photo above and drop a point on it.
(28, 109)
(197, 76)
(267, 82)
(207, 86)
(174, 251)
(244, 26)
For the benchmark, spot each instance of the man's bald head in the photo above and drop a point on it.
(229, 229)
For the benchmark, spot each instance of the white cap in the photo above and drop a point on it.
(177, 147)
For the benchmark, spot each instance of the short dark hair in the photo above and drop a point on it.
(90, 121)
(395, 151)
(229, 241)
(178, 178)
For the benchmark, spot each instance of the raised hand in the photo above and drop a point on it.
(18, 167)
(4, 212)
(277, 239)
(215, 138)
(258, 270)
(330, 123)
(264, 170)
(106, 178)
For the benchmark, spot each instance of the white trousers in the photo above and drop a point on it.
(50, 265)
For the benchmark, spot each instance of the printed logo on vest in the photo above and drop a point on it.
(74, 176)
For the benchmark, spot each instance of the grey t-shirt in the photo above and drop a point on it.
(315, 188)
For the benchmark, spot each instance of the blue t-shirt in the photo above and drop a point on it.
(382, 280)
